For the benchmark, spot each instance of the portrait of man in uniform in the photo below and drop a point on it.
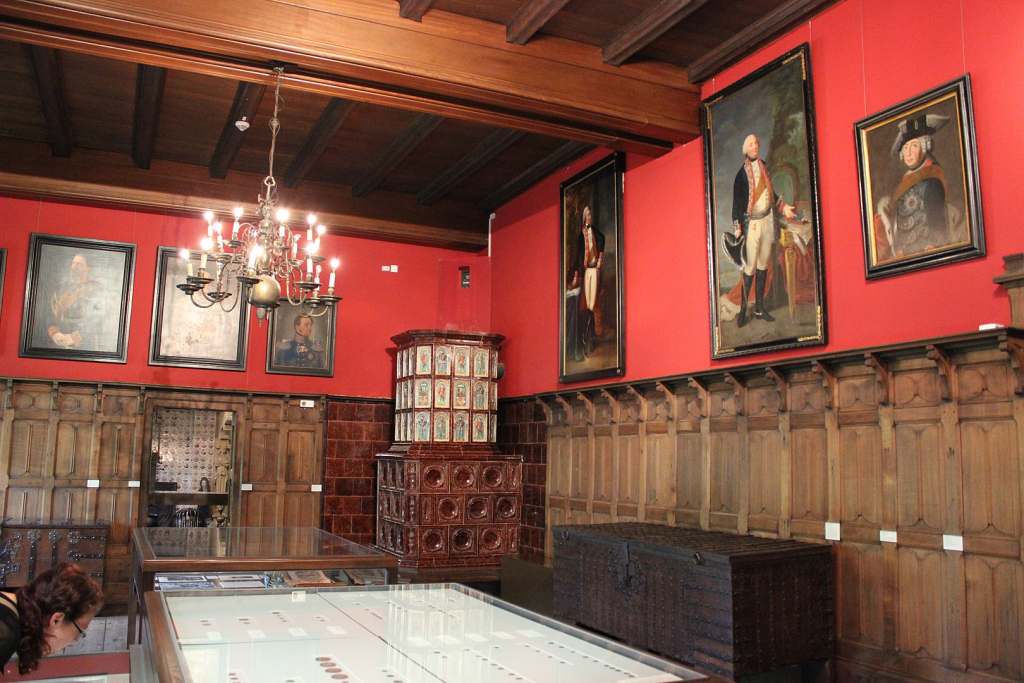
(301, 344)
(919, 182)
(764, 232)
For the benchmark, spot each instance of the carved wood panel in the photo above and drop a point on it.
(917, 445)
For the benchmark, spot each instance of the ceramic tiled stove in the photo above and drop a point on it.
(446, 498)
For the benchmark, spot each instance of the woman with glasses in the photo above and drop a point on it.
(47, 615)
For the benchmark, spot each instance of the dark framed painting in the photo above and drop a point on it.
(918, 169)
(78, 296)
(300, 344)
(185, 335)
(765, 265)
(591, 330)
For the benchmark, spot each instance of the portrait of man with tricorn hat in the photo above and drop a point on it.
(919, 182)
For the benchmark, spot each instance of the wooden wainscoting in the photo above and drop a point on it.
(921, 442)
(56, 436)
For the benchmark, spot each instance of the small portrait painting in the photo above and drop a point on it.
(301, 343)
(460, 394)
(920, 200)
(461, 361)
(422, 393)
(480, 362)
(480, 395)
(479, 427)
(77, 299)
(443, 360)
(460, 427)
(422, 426)
(766, 277)
(442, 393)
(424, 354)
(441, 426)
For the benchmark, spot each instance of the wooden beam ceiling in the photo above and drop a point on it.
(488, 148)
(247, 101)
(331, 119)
(149, 94)
(400, 148)
(647, 28)
(746, 41)
(455, 67)
(414, 9)
(50, 85)
(109, 178)
(531, 18)
(538, 171)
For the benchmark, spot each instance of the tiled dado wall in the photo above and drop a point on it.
(357, 429)
(522, 430)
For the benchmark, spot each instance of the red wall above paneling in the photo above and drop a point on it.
(424, 293)
(866, 55)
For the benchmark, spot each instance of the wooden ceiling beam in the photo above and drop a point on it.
(754, 36)
(531, 18)
(646, 28)
(486, 150)
(247, 101)
(50, 85)
(331, 120)
(112, 179)
(149, 94)
(456, 66)
(413, 9)
(400, 148)
(538, 171)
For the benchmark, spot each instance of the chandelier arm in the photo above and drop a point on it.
(199, 305)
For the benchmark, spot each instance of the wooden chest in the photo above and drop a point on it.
(731, 605)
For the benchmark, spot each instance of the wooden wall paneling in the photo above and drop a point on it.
(629, 461)
(605, 442)
(303, 467)
(689, 466)
(30, 460)
(661, 459)
(263, 462)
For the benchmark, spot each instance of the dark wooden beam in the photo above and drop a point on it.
(149, 93)
(397, 151)
(50, 84)
(414, 9)
(488, 148)
(646, 28)
(754, 36)
(538, 171)
(531, 18)
(331, 119)
(247, 101)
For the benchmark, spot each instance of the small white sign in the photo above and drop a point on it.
(298, 596)
(394, 268)
(831, 531)
(886, 536)
(134, 483)
(247, 487)
(307, 403)
(92, 483)
(952, 542)
(385, 269)
(316, 488)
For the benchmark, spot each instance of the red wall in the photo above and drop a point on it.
(424, 293)
(866, 55)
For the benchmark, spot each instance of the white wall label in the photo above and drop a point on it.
(316, 488)
(307, 403)
(831, 531)
(134, 483)
(247, 487)
(92, 483)
(952, 542)
(886, 536)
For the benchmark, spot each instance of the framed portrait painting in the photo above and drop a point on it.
(591, 331)
(78, 297)
(920, 200)
(766, 280)
(185, 335)
(301, 344)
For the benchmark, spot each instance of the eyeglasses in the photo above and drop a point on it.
(81, 633)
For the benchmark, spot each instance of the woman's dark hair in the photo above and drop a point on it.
(64, 588)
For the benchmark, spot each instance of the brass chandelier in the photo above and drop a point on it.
(265, 258)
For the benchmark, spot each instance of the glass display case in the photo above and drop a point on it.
(213, 551)
(386, 634)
